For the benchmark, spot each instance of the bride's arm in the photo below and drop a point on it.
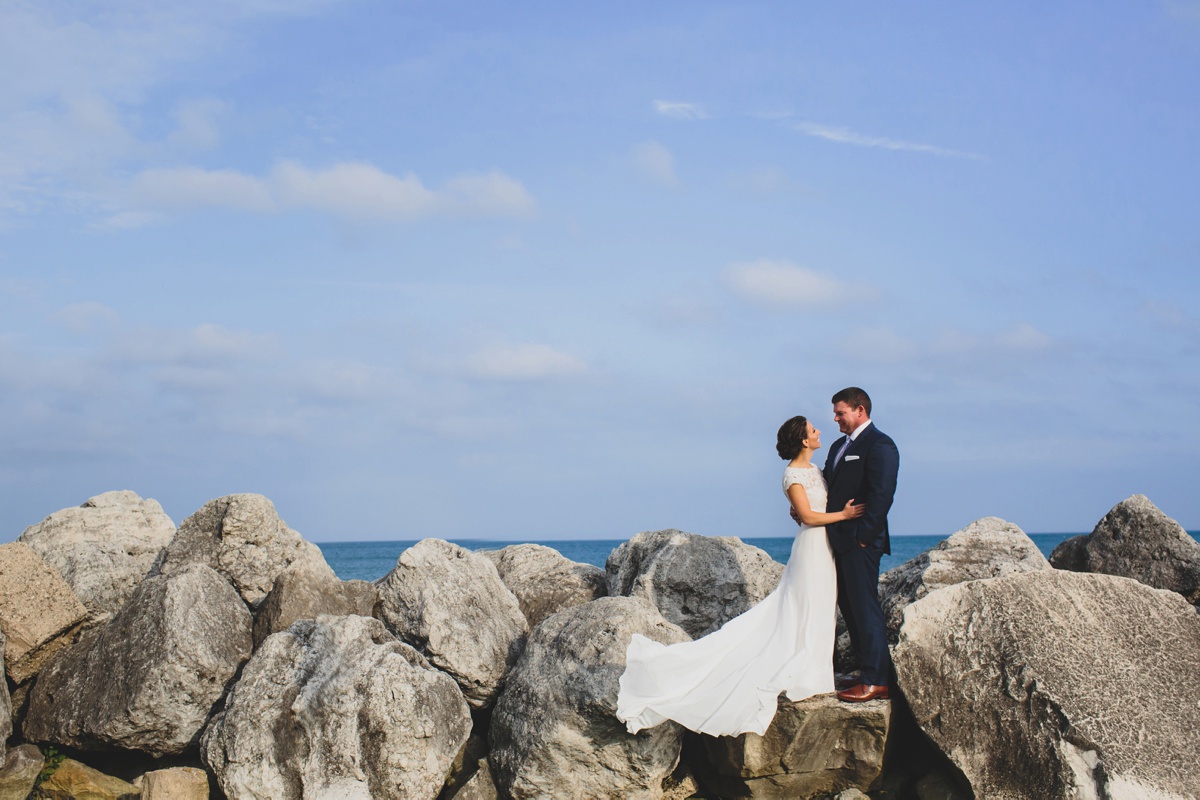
(800, 505)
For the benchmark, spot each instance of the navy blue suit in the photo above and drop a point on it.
(866, 473)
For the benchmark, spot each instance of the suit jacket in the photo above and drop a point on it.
(867, 474)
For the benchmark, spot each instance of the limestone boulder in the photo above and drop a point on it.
(337, 707)
(149, 679)
(813, 748)
(450, 604)
(1137, 540)
(73, 780)
(103, 548)
(1053, 684)
(697, 582)
(306, 591)
(19, 772)
(242, 537)
(39, 612)
(544, 581)
(554, 732)
(174, 783)
(987, 548)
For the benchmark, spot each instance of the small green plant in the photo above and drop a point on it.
(53, 759)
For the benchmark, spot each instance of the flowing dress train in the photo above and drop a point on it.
(728, 682)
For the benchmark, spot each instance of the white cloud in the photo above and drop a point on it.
(203, 345)
(784, 286)
(881, 345)
(192, 188)
(356, 191)
(523, 362)
(846, 136)
(656, 162)
(89, 317)
(196, 124)
(1023, 336)
(676, 110)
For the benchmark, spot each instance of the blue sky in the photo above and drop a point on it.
(542, 270)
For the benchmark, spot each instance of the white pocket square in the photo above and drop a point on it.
(850, 458)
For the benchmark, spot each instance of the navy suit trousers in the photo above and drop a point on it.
(858, 598)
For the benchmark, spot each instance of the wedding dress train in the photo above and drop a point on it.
(728, 682)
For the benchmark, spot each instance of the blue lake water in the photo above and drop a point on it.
(372, 560)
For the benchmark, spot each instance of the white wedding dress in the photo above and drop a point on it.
(728, 682)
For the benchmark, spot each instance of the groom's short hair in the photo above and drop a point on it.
(853, 397)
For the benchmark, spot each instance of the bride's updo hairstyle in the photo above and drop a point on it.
(790, 440)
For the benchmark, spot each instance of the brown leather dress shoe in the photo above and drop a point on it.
(862, 693)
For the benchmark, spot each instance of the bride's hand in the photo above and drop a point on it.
(852, 511)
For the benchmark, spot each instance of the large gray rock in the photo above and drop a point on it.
(242, 537)
(451, 605)
(337, 707)
(554, 731)
(697, 582)
(1137, 540)
(306, 591)
(104, 547)
(813, 748)
(149, 678)
(1053, 684)
(19, 772)
(39, 613)
(544, 581)
(987, 548)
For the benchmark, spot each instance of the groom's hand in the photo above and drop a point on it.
(796, 516)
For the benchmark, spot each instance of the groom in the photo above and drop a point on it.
(862, 465)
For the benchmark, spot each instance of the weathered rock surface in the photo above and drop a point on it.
(307, 590)
(39, 613)
(176, 783)
(149, 678)
(76, 781)
(987, 548)
(479, 786)
(242, 537)
(544, 581)
(816, 747)
(451, 605)
(697, 582)
(1137, 540)
(554, 732)
(104, 547)
(6, 710)
(19, 772)
(337, 707)
(1052, 684)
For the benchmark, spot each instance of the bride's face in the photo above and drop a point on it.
(813, 437)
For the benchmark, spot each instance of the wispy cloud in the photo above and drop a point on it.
(847, 136)
(784, 286)
(355, 191)
(657, 162)
(523, 362)
(676, 110)
(887, 346)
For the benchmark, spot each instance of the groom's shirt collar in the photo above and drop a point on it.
(858, 430)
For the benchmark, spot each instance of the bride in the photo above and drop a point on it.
(728, 682)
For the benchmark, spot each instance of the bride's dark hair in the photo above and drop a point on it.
(790, 440)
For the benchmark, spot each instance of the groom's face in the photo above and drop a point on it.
(848, 418)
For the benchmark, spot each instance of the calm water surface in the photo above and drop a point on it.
(372, 560)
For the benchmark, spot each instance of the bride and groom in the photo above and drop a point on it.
(728, 682)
